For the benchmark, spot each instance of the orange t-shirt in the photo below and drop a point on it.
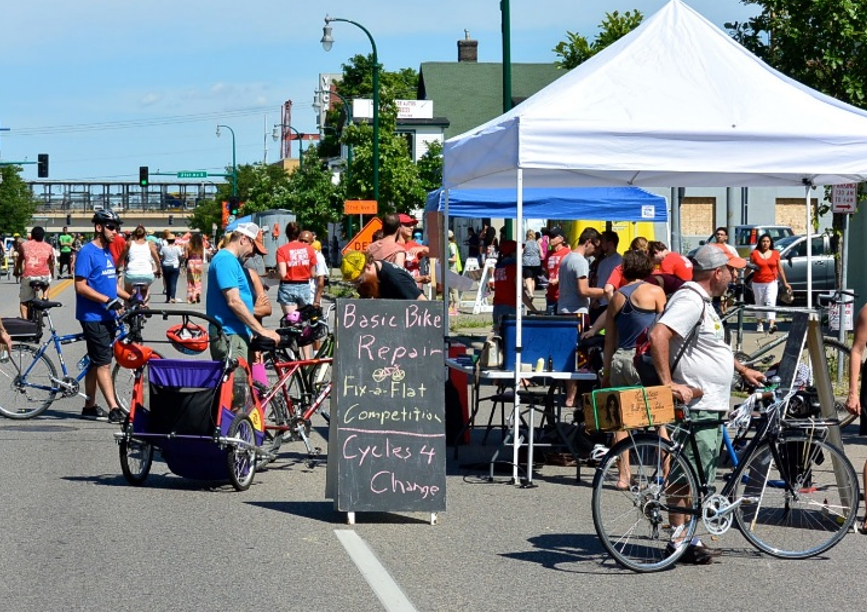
(36, 255)
(768, 269)
(299, 258)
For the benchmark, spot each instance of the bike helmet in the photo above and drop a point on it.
(102, 217)
(130, 355)
(188, 338)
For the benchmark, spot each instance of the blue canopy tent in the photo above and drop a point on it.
(591, 203)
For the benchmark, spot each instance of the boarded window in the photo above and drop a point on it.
(790, 211)
(697, 215)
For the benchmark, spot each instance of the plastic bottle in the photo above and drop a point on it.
(83, 363)
(540, 363)
(4, 353)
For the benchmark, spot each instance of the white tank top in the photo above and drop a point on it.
(139, 260)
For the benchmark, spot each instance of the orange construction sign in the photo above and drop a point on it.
(359, 207)
(363, 238)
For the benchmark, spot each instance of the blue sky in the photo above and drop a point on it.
(106, 86)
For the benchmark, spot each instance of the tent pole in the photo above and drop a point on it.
(516, 417)
(444, 261)
(809, 247)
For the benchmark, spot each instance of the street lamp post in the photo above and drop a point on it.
(327, 42)
(276, 135)
(234, 160)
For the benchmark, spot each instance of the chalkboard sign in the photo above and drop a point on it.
(386, 449)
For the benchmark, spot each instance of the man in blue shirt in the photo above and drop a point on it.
(96, 302)
(229, 298)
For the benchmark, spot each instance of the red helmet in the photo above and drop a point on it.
(188, 338)
(130, 355)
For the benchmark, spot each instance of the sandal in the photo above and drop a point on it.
(863, 527)
(622, 485)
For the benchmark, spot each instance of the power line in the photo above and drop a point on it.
(140, 123)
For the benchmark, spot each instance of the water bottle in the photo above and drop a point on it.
(83, 363)
(4, 353)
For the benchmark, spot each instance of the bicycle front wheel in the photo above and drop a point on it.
(637, 484)
(27, 386)
(123, 380)
(837, 355)
(802, 497)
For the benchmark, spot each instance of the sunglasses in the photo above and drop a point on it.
(111, 227)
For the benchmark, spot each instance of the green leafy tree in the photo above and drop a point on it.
(576, 49)
(430, 167)
(820, 43)
(17, 204)
(400, 186)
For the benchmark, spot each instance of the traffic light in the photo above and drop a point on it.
(171, 219)
(68, 219)
(42, 165)
(224, 214)
(143, 176)
(234, 206)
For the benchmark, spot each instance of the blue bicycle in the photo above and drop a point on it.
(29, 379)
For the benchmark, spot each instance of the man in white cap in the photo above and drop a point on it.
(230, 299)
(703, 376)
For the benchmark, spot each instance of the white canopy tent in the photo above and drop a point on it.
(676, 102)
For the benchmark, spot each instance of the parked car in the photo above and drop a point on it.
(746, 237)
(793, 257)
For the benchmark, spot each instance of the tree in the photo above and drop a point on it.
(17, 204)
(430, 167)
(821, 43)
(400, 187)
(576, 49)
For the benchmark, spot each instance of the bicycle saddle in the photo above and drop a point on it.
(44, 304)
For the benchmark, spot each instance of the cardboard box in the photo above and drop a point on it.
(625, 408)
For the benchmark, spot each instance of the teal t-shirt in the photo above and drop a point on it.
(225, 272)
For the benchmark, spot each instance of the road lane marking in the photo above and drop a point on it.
(383, 585)
(57, 288)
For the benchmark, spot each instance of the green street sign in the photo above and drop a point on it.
(193, 174)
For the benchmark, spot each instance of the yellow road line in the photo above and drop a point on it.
(58, 287)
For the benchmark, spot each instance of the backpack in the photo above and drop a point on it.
(643, 361)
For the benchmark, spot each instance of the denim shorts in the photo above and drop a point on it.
(294, 293)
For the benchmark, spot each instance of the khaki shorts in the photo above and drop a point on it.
(26, 292)
(222, 345)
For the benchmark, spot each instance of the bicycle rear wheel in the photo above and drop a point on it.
(808, 516)
(276, 415)
(630, 511)
(27, 385)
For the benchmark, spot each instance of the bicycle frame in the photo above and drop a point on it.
(286, 369)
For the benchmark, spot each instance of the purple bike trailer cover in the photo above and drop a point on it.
(185, 374)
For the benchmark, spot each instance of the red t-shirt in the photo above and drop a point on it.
(768, 269)
(552, 265)
(299, 258)
(616, 277)
(116, 248)
(678, 265)
(413, 254)
(36, 255)
(505, 285)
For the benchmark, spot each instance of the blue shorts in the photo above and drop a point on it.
(294, 293)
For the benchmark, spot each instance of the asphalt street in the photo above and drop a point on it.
(76, 536)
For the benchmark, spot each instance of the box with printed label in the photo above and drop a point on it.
(627, 408)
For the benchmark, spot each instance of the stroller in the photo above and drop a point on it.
(202, 415)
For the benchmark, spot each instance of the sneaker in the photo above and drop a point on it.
(760, 328)
(116, 415)
(772, 328)
(94, 413)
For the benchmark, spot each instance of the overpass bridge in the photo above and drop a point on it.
(158, 206)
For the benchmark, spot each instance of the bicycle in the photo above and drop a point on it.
(792, 495)
(289, 416)
(30, 381)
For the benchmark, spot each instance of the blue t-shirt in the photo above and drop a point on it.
(96, 265)
(225, 272)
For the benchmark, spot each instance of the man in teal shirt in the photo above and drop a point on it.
(229, 298)
(65, 243)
